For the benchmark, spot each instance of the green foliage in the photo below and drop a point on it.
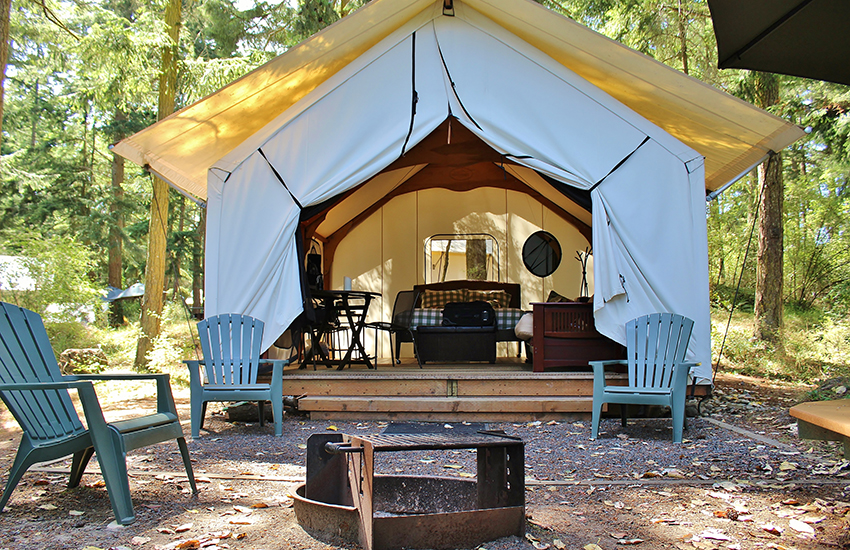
(175, 343)
(313, 16)
(722, 297)
(70, 335)
(216, 28)
(677, 34)
(165, 353)
(58, 268)
(816, 346)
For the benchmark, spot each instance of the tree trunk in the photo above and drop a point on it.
(5, 17)
(157, 238)
(769, 275)
(116, 241)
(178, 257)
(476, 259)
(683, 38)
(35, 115)
(445, 270)
(198, 265)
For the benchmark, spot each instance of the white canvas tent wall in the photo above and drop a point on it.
(499, 67)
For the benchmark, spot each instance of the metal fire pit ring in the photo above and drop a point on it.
(394, 512)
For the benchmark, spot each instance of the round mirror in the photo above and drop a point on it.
(541, 253)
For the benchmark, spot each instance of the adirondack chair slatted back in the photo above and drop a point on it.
(231, 347)
(27, 356)
(655, 343)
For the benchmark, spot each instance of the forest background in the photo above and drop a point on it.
(81, 75)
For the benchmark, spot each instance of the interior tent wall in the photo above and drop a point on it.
(403, 225)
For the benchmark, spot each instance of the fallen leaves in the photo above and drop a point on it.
(208, 541)
(801, 527)
(666, 521)
(715, 534)
(772, 529)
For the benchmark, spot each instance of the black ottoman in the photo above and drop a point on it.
(456, 344)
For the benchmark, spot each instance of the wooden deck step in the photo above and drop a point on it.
(471, 409)
(457, 383)
(507, 391)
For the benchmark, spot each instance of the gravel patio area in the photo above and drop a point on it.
(742, 479)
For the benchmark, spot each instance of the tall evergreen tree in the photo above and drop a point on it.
(5, 17)
(157, 234)
(763, 89)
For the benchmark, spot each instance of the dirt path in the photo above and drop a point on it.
(632, 486)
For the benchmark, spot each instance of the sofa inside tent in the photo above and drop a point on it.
(413, 118)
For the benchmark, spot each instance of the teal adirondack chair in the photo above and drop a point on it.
(230, 344)
(657, 371)
(35, 391)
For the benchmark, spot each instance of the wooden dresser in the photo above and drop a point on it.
(565, 336)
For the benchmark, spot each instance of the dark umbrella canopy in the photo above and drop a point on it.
(808, 38)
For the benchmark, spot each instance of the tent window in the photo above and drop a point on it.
(469, 256)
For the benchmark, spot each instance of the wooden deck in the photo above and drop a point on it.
(476, 392)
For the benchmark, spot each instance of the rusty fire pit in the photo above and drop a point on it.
(343, 496)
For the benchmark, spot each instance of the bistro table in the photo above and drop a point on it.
(351, 307)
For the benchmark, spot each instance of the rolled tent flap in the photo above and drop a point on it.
(251, 257)
(516, 99)
(651, 247)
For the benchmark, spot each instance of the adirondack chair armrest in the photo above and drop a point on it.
(118, 376)
(277, 373)
(599, 373)
(164, 397)
(27, 386)
(600, 365)
(281, 362)
(194, 366)
(85, 389)
(681, 371)
(277, 365)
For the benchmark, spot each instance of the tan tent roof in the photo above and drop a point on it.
(731, 134)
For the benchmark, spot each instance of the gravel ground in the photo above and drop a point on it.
(758, 487)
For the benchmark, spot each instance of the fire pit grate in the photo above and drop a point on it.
(343, 495)
(436, 441)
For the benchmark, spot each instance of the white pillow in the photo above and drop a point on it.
(524, 328)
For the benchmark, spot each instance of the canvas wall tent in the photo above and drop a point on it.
(554, 105)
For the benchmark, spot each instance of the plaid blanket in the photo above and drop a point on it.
(506, 318)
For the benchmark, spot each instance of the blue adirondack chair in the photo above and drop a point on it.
(35, 391)
(657, 371)
(230, 344)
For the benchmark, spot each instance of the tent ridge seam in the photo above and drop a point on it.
(452, 82)
(415, 95)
